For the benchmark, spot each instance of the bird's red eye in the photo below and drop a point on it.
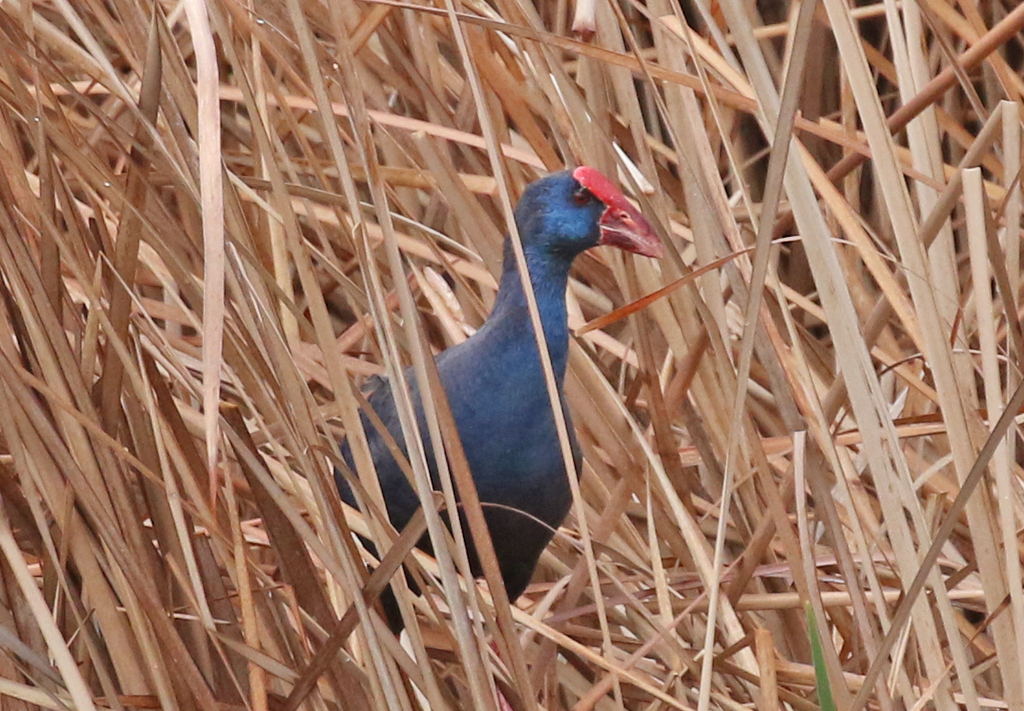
(582, 196)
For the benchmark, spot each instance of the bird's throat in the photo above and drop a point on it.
(510, 317)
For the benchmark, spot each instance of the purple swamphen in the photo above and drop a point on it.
(495, 384)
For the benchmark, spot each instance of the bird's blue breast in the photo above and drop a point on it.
(507, 427)
(505, 421)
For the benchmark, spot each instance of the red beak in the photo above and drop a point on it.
(621, 225)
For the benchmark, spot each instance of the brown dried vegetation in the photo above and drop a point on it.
(217, 219)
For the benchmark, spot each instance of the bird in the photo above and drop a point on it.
(495, 383)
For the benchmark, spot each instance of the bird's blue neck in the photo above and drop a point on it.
(510, 317)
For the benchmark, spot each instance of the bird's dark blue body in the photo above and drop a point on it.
(497, 393)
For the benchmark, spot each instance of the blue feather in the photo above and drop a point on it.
(496, 389)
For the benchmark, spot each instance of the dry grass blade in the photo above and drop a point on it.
(613, 317)
(218, 219)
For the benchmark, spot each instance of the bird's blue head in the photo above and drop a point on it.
(566, 213)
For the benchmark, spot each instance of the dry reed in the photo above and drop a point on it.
(218, 219)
